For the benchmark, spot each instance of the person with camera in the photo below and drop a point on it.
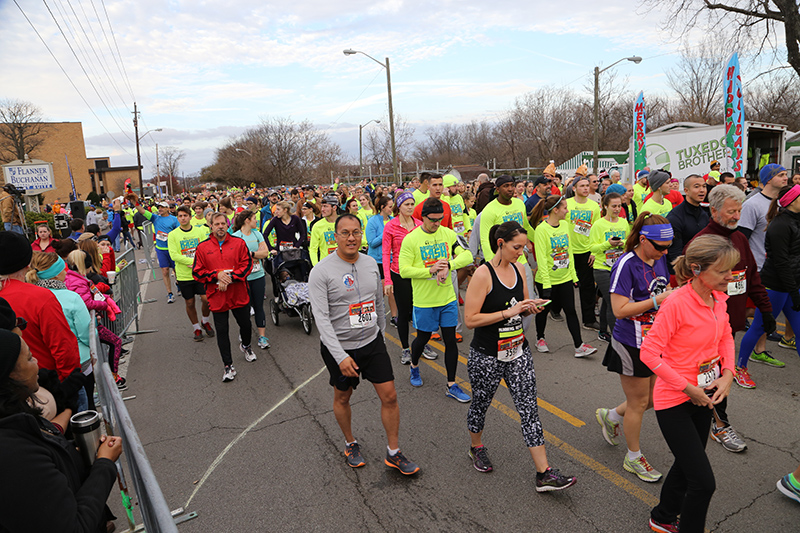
(12, 211)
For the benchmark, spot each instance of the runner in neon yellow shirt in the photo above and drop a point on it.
(182, 243)
(583, 212)
(323, 240)
(640, 189)
(421, 193)
(657, 204)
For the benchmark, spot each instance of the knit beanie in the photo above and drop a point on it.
(17, 252)
(10, 346)
(657, 179)
(769, 172)
(8, 318)
(617, 188)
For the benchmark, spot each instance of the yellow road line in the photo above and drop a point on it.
(550, 408)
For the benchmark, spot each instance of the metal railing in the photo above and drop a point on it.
(147, 493)
(148, 243)
(126, 294)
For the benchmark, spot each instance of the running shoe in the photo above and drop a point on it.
(249, 354)
(774, 336)
(416, 379)
(170, 299)
(121, 383)
(393, 321)
(436, 337)
(480, 459)
(604, 336)
(229, 374)
(556, 316)
(198, 335)
(457, 393)
(429, 353)
(743, 379)
(400, 462)
(541, 346)
(642, 469)
(209, 330)
(609, 427)
(263, 342)
(584, 350)
(790, 344)
(591, 326)
(672, 527)
(353, 454)
(459, 337)
(728, 438)
(551, 479)
(766, 358)
(786, 488)
(405, 357)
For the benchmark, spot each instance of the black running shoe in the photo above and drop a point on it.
(480, 459)
(400, 462)
(551, 479)
(353, 454)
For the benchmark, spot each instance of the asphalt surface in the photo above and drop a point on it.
(264, 452)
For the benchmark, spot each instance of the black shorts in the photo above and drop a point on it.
(373, 363)
(191, 288)
(624, 360)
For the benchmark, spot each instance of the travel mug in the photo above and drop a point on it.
(86, 428)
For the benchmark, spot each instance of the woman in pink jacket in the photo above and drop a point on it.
(393, 234)
(690, 348)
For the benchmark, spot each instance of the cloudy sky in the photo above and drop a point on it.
(205, 70)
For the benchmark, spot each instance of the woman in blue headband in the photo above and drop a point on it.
(639, 283)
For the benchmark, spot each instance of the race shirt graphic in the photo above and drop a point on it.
(516, 216)
(330, 241)
(559, 244)
(188, 246)
(456, 209)
(582, 221)
(431, 253)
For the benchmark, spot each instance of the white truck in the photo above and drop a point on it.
(685, 148)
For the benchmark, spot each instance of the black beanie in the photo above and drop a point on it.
(15, 252)
(8, 318)
(10, 346)
(432, 206)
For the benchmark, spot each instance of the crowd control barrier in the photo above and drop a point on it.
(125, 292)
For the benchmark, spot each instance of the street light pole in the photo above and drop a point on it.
(596, 119)
(138, 153)
(350, 52)
(360, 158)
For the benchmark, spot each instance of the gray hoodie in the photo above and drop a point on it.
(337, 288)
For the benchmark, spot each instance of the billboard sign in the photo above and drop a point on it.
(35, 176)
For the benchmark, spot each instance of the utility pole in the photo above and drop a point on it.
(158, 170)
(138, 154)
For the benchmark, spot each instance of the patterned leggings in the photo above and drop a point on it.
(114, 343)
(485, 373)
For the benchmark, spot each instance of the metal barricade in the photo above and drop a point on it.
(125, 291)
(149, 499)
(148, 241)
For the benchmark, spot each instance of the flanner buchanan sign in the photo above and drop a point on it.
(32, 176)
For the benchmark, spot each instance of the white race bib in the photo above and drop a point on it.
(560, 260)
(612, 256)
(162, 236)
(363, 314)
(256, 266)
(707, 372)
(739, 283)
(582, 227)
(510, 349)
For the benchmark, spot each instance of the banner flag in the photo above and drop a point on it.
(639, 133)
(734, 116)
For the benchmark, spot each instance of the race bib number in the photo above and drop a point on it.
(362, 314)
(560, 260)
(582, 227)
(510, 349)
(612, 256)
(707, 372)
(739, 283)
(256, 266)
(161, 236)
(458, 227)
(189, 252)
(283, 246)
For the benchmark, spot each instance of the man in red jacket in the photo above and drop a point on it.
(725, 202)
(222, 262)
(47, 334)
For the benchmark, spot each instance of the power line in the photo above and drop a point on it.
(108, 43)
(70, 79)
(111, 29)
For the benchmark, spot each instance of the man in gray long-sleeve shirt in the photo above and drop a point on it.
(347, 300)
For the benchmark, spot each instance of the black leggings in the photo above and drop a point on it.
(586, 287)
(562, 295)
(256, 290)
(242, 317)
(450, 349)
(402, 297)
(690, 483)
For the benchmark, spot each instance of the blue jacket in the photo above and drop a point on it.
(374, 234)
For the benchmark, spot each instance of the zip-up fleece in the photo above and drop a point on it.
(212, 257)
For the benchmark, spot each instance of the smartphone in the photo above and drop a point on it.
(546, 302)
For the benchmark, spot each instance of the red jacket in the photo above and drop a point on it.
(48, 335)
(37, 247)
(210, 258)
(109, 262)
(753, 288)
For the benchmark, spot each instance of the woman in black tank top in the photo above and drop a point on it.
(496, 301)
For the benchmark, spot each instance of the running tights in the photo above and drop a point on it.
(607, 318)
(485, 373)
(114, 343)
(450, 349)
(242, 317)
(256, 289)
(564, 296)
(781, 302)
(402, 297)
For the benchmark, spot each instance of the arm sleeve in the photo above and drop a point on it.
(60, 339)
(147, 214)
(318, 292)
(200, 272)
(755, 288)
(749, 218)
(664, 328)
(313, 247)
(726, 349)
(542, 248)
(379, 302)
(780, 242)
(387, 241)
(244, 263)
(676, 248)
(596, 242)
(268, 229)
(572, 264)
(747, 232)
(463, 257)
(82, 320)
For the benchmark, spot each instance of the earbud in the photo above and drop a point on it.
(696, 270)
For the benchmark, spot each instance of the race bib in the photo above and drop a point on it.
(283, 246)
(362, 314)
(256, 266)
(161, 236)
(582, 227)
(459, 227)
(189, 252)
(331, 250)
(612, 256)
(510, 349)
(739, 283)
(707, 372)
(560, 260)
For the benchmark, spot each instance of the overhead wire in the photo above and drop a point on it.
(114, 57)
(114, 37)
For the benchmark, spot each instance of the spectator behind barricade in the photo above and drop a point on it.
(88, 269)
(44, 482)
(44, 238)
(50, 271)
(109, 262)
(47, 332)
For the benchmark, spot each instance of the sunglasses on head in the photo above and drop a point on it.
(658, 247)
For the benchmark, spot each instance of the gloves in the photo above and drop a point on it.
(769, 323)
(795, 300)
(545, 295)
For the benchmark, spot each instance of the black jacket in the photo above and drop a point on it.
(687, 220)
(781, 270)
(44, 485)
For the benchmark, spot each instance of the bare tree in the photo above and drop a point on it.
(21, 129)
(697, 82)
(755, 21)
(775, 99)
(378, 143)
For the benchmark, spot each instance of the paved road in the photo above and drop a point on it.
(264, 452)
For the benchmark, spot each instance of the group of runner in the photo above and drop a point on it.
(668, 315)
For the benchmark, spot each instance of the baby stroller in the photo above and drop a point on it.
(290, 274)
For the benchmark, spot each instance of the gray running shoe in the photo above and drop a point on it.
(642, 469)
(429, 353)
(728, 438)
(405, 357)
(609, 427)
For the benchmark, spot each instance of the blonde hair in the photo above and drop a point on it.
(77, 259)
(40, 261)
(703, 252)
(93, 251)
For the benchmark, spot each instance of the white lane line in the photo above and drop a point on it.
(241, 435)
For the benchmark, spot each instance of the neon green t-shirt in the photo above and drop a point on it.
(554, 254)
(182, 245)
(604, 254)
(657, 209)
(419, 196)
(639, 194)
(460, 221)
(497, 213)
(580, 218)
(323, 240)
(418, 252)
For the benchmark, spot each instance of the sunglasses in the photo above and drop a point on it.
(659, 247)
(435, 220)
